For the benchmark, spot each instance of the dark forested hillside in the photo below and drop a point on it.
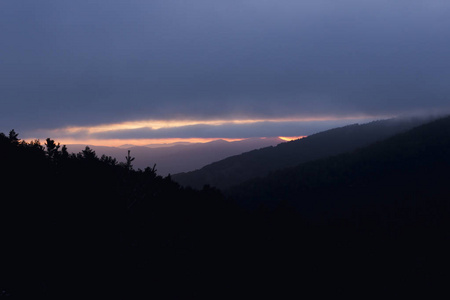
(81, 225)
(258, 163)
(366, 224)
(384, 209)
(414, 164)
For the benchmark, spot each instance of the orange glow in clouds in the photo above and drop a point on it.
(87, 135)
(159, 124)
(291, 138)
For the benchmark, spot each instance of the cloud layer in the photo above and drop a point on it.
(82, 63)
(199, 131)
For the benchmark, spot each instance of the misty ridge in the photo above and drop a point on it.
(259, 163)
(180, 157)
(360, 210)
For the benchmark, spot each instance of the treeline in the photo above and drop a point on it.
(79, 225)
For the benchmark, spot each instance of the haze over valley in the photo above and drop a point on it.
(172, 159)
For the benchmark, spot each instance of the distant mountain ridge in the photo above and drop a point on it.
(177, 158)
(407, 171)
(128, 146)
(259, 163)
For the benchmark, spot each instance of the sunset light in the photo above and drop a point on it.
(139, 142)
(145, 132)
(291, 138)
(159, 124)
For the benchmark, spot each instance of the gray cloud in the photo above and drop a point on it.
(90, 62)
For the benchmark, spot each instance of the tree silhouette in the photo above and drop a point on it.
(13, 137)
(52, 148)
(87, 154)
(64, 152)
(129, 159)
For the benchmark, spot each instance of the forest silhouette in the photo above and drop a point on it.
(367, 223)
(237, 169)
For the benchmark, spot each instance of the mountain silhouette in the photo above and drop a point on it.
(179, 157)
(259, 163)
(368, 222)
(402, 170)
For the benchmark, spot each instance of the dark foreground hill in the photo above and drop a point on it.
(258, 163)
(387, 205)
(83, 226)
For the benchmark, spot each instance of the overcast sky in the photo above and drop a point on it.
(88, 63)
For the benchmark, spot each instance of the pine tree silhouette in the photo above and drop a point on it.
(129, 159)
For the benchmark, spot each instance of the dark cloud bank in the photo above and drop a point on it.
(90, 62)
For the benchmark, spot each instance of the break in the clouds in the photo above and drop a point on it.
(226, 130)
(83, 63)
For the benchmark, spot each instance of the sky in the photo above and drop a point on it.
(113, 72)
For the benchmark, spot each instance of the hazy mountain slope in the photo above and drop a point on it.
(180, 158)
(406, 171)
(258, 163)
